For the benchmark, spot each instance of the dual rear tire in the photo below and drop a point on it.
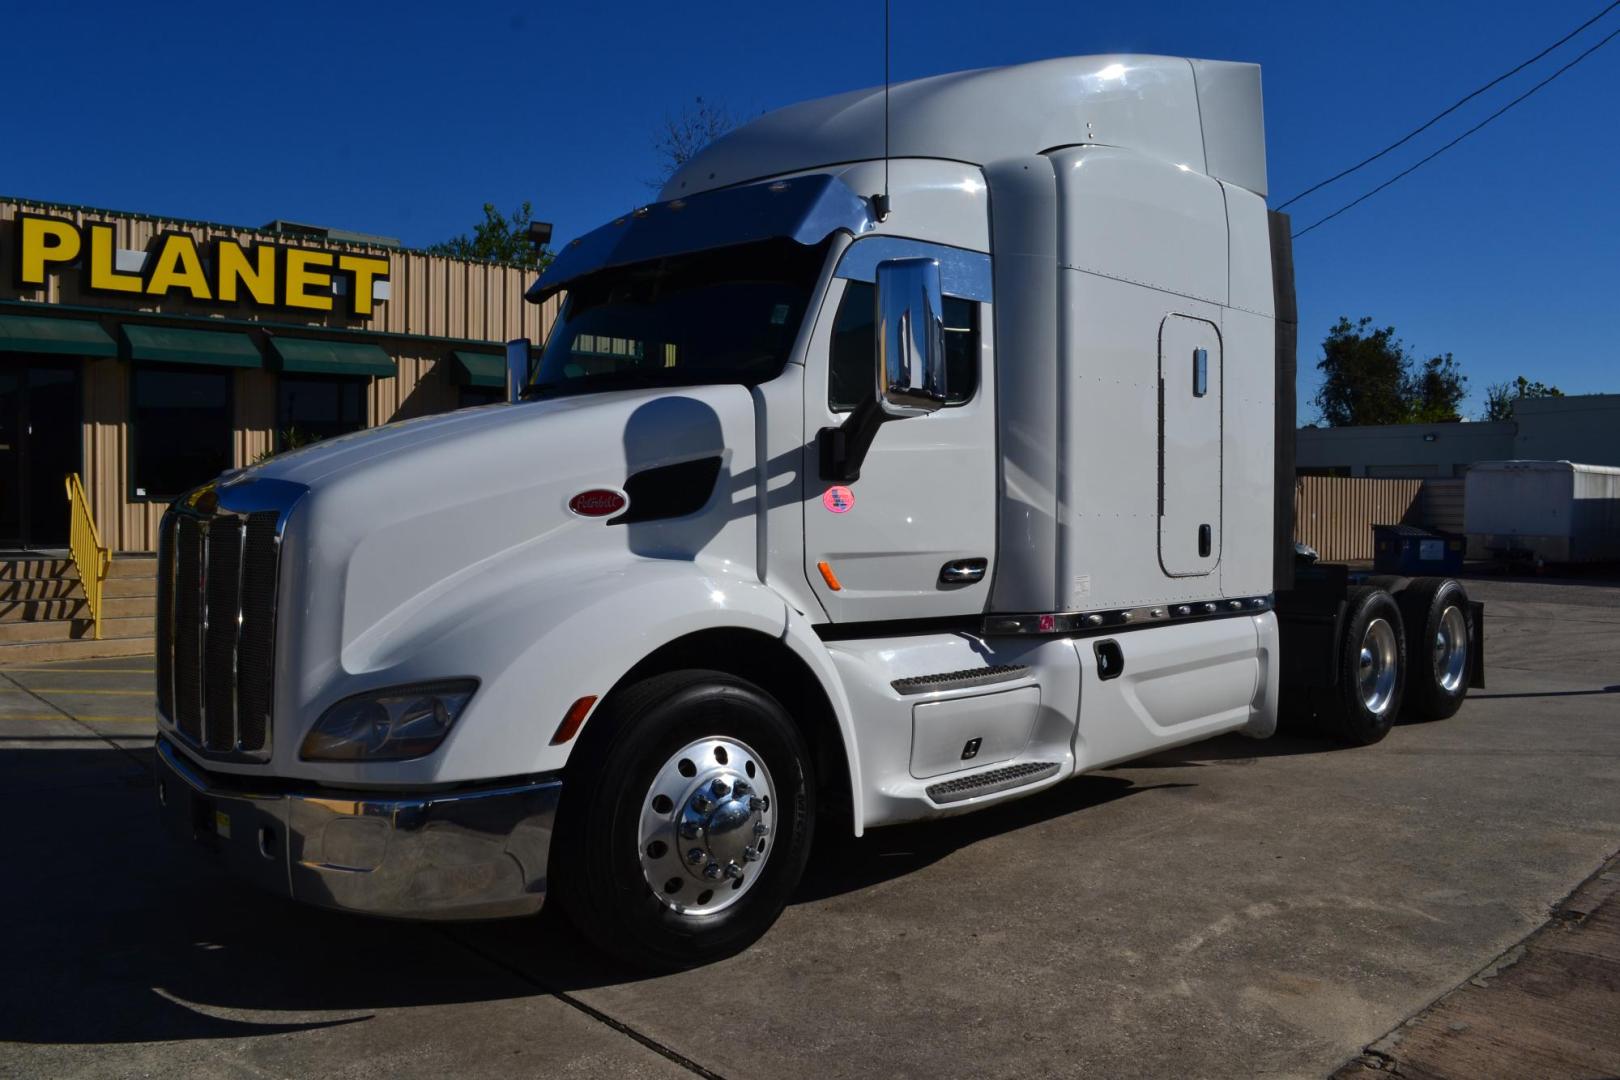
(1404, 656)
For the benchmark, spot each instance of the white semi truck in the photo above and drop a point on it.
(856, 483)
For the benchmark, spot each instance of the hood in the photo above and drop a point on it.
(397, 516)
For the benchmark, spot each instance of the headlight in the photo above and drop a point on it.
(391, 724)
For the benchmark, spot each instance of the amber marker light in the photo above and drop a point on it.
(829, 577)
(573, 719)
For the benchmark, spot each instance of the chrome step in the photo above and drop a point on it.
(994, 780)
(958, 680)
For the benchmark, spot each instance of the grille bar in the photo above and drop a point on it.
(216, 629)
(255, 662)
(188, 621)
(224, 563)
(165, 618)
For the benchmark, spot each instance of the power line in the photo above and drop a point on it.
(1413, 168)
(1442, 115)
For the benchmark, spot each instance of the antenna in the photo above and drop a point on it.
(880, 203)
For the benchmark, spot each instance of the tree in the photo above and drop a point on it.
(1369, 377)
(1500, 397)
(688, 131)
(1437, 389)
(497, 239)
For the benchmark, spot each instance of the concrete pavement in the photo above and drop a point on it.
(1232, 908)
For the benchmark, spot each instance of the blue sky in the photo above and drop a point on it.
(404, 118)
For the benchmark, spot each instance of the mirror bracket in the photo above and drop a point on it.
(844, 448)
(519, 365)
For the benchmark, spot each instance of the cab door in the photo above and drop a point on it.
(915, 536)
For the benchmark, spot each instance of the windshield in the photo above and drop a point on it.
(729, 315)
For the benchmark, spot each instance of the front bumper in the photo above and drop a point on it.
(475, 854)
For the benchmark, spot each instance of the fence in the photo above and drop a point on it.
(1442, 504)
(1335, 514)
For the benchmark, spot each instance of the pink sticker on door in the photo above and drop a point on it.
(839, 499)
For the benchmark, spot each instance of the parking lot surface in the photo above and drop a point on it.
(1231, 908)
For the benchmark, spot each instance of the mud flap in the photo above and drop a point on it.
(1476, 646)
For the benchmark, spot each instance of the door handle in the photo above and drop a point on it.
(1110, 660)
(963, 571)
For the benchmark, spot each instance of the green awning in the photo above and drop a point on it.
(170, 345)
(313, 356)
(480, 369)
(42, 334)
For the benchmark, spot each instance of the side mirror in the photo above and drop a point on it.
(910, 338)
(518, 358)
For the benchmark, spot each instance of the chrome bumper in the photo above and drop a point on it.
(476, 854)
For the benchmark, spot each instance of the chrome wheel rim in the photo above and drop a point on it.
(1377, 667)
(1451, 649)
(706, 828)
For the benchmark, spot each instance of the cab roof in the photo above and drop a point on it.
(1201, 114)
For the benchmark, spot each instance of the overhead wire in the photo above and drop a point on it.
(1459, 103)
(1424, 161)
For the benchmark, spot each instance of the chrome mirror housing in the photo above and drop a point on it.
(910, 338)
(518, 358)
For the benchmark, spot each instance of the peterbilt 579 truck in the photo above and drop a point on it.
(857, 482)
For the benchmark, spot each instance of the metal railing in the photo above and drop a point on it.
(93, 560)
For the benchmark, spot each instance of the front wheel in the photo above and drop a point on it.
(686, 820)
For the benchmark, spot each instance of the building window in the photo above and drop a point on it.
(312, 407)
(854, 344)
(180, 429)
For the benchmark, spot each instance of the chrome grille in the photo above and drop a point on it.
(216, 629)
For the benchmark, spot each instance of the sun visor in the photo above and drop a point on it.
(806, 208)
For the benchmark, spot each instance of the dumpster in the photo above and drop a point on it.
(1409, 550)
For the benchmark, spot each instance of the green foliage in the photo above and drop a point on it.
(291, 439)
(1500, 397)
(1369, 377)
(497, 239)
(1437, 388)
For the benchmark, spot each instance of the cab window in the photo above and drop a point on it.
(854, 343)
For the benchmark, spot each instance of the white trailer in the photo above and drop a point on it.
(1543, 511)
(855, 483)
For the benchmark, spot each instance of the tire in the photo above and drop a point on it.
(1365, 700)
(1440, 629)
(627, 790)
(1394, 584)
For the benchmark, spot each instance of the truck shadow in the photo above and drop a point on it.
(842, 863)
(115, 934)
(1237, 750)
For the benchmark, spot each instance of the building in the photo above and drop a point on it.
(148, 354)
(1583, 428)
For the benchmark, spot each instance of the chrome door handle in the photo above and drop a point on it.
(963, 571)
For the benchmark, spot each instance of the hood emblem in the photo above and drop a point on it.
(598, 503)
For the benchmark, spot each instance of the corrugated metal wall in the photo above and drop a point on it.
(1335, 514)
(1442, 504)
(430, 296)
